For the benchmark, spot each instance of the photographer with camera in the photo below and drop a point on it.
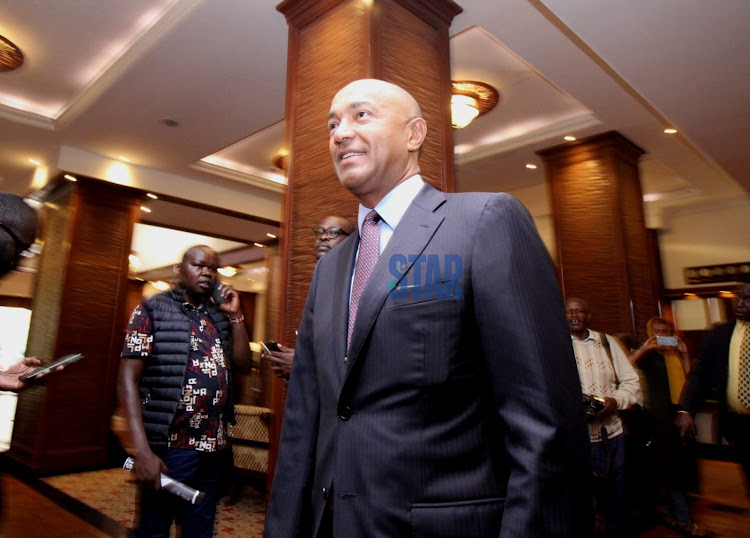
(609, 383)
(669, 462)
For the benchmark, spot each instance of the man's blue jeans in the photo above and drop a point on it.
(158, 509)
(608, 462)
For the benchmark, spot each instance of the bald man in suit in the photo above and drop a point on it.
(434, 391)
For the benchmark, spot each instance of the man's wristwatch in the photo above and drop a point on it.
(238, 319)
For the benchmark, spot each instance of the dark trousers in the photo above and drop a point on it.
(159, 509)
(608, 462)
(737, 431)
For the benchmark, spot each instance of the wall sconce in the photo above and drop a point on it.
(471, 99)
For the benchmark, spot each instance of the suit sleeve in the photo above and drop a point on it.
(701, 375)
(529, 358)
(288, 511)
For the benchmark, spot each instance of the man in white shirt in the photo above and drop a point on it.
(607, 375)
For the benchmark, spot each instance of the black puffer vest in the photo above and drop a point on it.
(164, 373)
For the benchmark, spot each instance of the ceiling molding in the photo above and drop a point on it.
(27, 118)
(553, 130)
(138, 46)
(249, 179)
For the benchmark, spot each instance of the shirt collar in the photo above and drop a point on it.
(590, 336)
(394, 204)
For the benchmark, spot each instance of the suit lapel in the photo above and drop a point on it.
(412, 235)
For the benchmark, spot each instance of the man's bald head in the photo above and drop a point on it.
(376, 131)
(17, 232)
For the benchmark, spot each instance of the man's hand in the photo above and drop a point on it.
(281, 361)
(610, 406)
(685, 425)
(148, 467)
(231, 304)
(12, 378)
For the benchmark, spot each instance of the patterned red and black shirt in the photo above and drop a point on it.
(198, 423)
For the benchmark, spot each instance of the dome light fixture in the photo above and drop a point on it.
(11, 56)
(471, 99)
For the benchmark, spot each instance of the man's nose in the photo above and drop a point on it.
(343, 130)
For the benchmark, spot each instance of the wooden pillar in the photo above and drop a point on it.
(332, 43)
(78, 306)
(603, 250)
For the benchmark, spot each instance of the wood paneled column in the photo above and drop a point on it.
(332, 43)
(603, 250)
(78, 306)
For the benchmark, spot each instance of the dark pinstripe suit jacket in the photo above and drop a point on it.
(458, 411)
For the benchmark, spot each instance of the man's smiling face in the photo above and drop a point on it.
(577, 315)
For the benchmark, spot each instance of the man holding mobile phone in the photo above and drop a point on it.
(329, 233)
(175, 388)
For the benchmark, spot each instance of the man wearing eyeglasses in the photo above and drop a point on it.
(331, 231)
(18, 224)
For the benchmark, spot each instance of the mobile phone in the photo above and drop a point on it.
(268, 346)
(216, 293)
(666, 341)
(67, 359)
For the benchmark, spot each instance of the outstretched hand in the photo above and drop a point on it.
(13, 377)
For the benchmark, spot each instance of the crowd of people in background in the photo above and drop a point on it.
(394, 399)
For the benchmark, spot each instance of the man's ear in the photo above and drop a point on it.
(417, 134)
(176, 268)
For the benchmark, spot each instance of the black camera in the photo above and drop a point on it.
(592, 405)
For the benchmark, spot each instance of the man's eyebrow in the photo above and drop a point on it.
(353, 106)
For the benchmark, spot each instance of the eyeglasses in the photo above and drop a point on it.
(20, 245)
(332, 232)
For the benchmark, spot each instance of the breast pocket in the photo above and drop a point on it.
(434, 331)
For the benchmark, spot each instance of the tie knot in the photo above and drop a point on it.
(371, 218)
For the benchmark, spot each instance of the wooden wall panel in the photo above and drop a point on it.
(602, 244)
(73, 411)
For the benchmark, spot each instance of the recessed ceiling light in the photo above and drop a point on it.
(531, 166)
(569, 138)
(271, 236)
(70, 178)
(145, 209)
(670, 130)
(34, 162)
(124, 159)
(259, 245)
(152, 196)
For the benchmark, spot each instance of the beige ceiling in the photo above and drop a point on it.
(101, 74)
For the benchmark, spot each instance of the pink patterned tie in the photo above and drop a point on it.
(369, 250)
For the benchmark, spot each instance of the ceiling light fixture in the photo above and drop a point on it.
(271, 236)
(152, 196)
(227, 271)
(569, 138)
(531, 166)
(11, 56)
(670, 130)
(471, 99)
(35, 162)
(124, 159)
(145, 209)
(70, 178)
(160, 285)
(259, 245)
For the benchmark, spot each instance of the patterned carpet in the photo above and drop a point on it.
(112, 493)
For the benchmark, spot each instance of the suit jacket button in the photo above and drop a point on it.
(345, 413)
(325, 493)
